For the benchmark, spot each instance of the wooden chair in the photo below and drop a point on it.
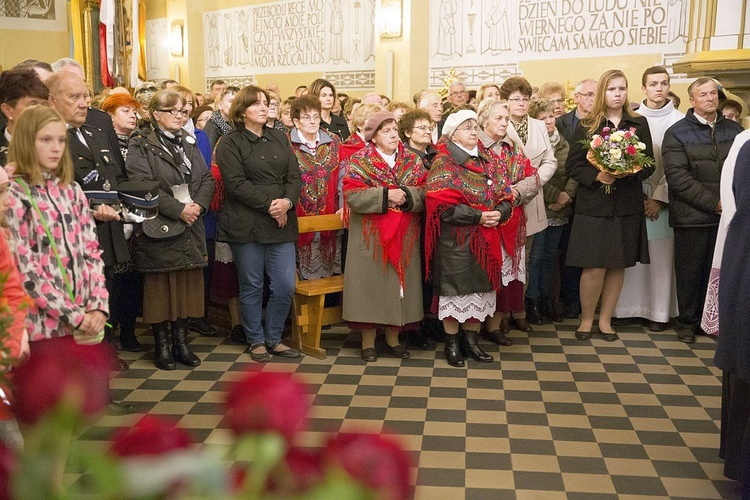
(310, 314)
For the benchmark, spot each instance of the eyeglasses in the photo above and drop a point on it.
(458, 92)
(426, 128)
(273, 105)
(468, 129)
(516, 100)
(587, 95)
(174, 112)
(309, 118)
(557, 101)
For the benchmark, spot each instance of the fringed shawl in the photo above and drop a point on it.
(320, 174)
(513, 232)
(479, 182)
(396, 231)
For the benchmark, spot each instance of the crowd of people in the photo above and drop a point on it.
(467, 215)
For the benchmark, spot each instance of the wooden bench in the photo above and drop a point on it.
(309, 312)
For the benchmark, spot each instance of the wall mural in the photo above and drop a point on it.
(333, 37)
(42, 15)
(485, 39)
(157, 49)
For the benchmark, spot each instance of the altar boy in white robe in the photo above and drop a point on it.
(648, 290)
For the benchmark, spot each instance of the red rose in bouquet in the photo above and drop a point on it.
(263, 402)
(150, 436)
(376, 460)
(62, 371)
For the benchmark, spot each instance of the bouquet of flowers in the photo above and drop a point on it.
(617, 152)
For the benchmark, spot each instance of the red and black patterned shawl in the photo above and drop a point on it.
(481, 183)
(396, 231)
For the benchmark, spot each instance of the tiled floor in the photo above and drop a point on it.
(553, 418)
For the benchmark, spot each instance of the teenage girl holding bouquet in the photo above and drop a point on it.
(609, 228)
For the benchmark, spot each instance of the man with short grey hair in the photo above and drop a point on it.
(432, 103)
(584, 95)
(693, 153)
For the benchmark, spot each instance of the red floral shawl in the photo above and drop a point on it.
(480, 183)
(515, 166)
(396, 230)
(320, 175)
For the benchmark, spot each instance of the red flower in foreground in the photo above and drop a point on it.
(8, 466)
(61, 370)
(631, 150)
(150, 436)
(306, 468)
(377, 461)
(267, 402)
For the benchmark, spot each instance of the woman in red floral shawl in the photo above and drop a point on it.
(384, 191)
(494, 118)
(467, 201)
(318, 254)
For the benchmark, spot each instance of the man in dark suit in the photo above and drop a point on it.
(584, 95)
(96, 170)
(570, 277)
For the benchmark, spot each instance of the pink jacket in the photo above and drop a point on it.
(53, 313)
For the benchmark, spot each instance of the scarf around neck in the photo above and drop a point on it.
(392, 234)
(479, 182)
(220, 122)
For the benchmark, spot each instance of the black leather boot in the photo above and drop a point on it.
(476, 352)
(549, 310)
(180, 350)
(162, 356)
(452, 351)
(533, 315)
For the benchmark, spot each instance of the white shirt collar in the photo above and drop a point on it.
(704, 121)
(389, 159)
(8, 137)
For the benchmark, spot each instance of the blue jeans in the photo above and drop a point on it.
(544, 253)
(253, 261)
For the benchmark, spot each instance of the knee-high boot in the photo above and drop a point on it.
(180, 350)
(162, 355)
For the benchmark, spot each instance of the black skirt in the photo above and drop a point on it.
(610, 242)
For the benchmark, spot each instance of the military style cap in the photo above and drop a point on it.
(141, 198)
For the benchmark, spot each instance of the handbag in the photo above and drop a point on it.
(161, 227)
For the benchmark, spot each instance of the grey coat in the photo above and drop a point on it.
(372, 289)
(148, 160)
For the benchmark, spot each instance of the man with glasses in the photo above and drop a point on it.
(584, 95)
(457, 96)
(98, 174)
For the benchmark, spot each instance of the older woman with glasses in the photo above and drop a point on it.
(318, 254)
(532, 135)
(274, 117)
(467, 200)
(494, 121)
(171, 264)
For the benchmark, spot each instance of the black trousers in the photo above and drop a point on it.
(693, 255)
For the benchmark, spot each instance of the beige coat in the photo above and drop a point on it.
(372, 289)
(539, 150)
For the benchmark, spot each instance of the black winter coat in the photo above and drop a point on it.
(255, 171)
(626, 196)
(148, 160)
(693, 156)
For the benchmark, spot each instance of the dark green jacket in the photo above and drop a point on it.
(255, 171)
